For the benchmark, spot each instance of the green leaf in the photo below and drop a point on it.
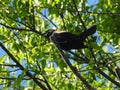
(2, 37)
(21, 55)
(17, 82)
(2, 58)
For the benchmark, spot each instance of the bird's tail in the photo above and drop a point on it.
(88, 32)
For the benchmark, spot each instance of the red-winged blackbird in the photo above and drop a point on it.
(67, 40)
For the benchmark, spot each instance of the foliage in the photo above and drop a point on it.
(22, 24)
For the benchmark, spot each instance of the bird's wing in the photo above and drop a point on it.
(65, 37)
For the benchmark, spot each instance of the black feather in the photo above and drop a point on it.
(68, 41)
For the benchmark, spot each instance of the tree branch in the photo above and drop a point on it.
(21, 29)
(96, 68)
(86, 12)
(101, 72)
(17, 21)
(85, 59)
(22, 68)
(107, 77)
(45, 80)
(48, 19)
(8, 65)
(79, 15)
(11, 71)
(74, 69)
(117, 72)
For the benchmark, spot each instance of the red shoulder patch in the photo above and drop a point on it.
(59, 31)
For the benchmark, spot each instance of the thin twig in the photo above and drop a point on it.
(79, 16)
(48, 20)
(117, 72)
(95, 61)
(86, 12)
(8, 65)
(85, 60)
(74, 69)
(10, 71)
(21, 29)
(17, 21)
(22, 68)
(33, 17)
(45, 80)
(101, 72)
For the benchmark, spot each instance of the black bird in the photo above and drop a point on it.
(67, 40)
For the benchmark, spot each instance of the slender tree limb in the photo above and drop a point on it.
(117, 72)
(45, 80)
(17, 21)
(85, 60)
(86, 12)
(22, 68)
(79, 16)
(96, 65)
(21, 29)
(101, 72)
(10, 71)
(6, 83)
(48, 19)
(8, 65)
(62, 17)
(74, 69)
(107, 77)
(14, 28)
(33, 17)
(7, 78)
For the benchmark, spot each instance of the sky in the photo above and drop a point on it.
(90, 2)
(1, 52)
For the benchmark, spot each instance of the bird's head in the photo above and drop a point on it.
(48, 33)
